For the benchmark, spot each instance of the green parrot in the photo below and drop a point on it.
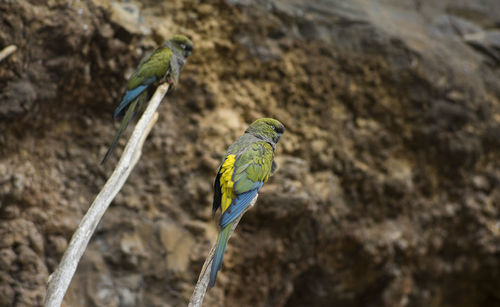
(247, 164)
(164, 64)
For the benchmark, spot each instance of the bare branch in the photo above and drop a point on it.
(59, 280)
(201, 286)
(7, 51)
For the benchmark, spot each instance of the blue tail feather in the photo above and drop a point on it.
(126, 120)
(239, 204)
(127, 98)
(219, 254)
(130, 95)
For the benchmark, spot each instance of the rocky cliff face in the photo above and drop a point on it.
(387, 188)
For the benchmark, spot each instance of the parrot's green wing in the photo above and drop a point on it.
(151, 68)
(251, 169)
(248, 169)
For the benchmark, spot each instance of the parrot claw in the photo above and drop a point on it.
(171, 83)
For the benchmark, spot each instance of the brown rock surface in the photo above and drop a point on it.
(387, 188)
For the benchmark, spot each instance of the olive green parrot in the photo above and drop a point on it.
(247, 164)
(163, 65)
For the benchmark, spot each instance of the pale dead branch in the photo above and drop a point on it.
(7, 51)
(59, 280)
(201, 286)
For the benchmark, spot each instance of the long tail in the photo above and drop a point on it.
(129, 96)
(126, 120)
(219, 253)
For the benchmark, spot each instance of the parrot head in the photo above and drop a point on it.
(181, 44)
(267, 129)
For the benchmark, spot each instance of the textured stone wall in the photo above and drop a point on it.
(387, 188)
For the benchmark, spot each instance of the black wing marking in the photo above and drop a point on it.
(217, 194)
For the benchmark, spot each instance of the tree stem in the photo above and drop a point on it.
(201, 286)
(59, 280)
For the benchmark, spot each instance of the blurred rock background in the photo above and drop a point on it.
(387, 188)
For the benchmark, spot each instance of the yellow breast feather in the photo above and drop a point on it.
(226, 182)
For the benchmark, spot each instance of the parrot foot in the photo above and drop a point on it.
(171, 83)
